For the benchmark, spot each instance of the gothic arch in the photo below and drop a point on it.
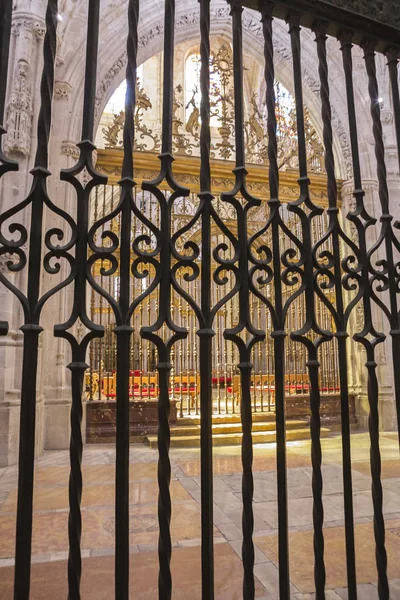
(112, 62)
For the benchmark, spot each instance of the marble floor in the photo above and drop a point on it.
(50, 541)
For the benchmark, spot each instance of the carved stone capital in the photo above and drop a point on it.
(27, 21)
(69, 148)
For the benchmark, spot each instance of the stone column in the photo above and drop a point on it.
(22, 107)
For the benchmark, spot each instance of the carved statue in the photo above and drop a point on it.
(111, 133)
(255, 121)
(193, 122)
(143, 104)
(176, 105)
(19, 113)
(181, 143)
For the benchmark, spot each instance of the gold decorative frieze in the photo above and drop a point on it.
(187, 172)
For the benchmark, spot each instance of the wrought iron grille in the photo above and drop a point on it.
(276, 282)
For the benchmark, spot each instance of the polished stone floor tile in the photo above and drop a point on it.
(50, 527)
(98, 528)
(55, 498)
(390, 468)
(366, 591)
(49, 581)
(268, 574)
(229, 465)
(104, 473)
(302, 557)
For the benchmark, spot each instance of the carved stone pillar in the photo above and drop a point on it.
(19, 113)
(28, 31)
(22, 107)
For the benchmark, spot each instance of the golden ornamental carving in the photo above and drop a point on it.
(145, 138)
(181, 143)
(186, 131)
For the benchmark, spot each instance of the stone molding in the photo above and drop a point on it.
(62, 90)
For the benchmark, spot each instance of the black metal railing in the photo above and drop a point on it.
(185, 384)
(280, 267)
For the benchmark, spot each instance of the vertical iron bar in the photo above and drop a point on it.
(124, 329)
(386, 218)
(165, 321)
(31, 329)
(341, 321)
(164, 365)
(207, 332)
(164, 479)
(245, 366)
(310, 326)
(244, 335)
(168, 88)
(78, 364)
(278, 334)
(346, 47)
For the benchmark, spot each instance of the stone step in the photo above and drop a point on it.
(236, 427)
(235, 439)
(218, 419)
